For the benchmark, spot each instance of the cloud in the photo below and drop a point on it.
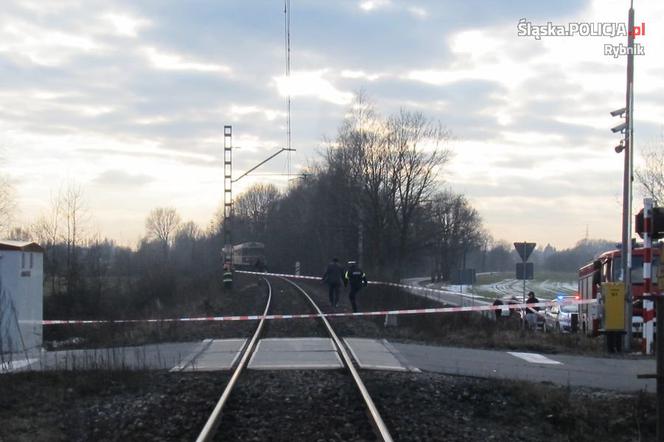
(371, 5)
(349, 73)
(91, 89)
(125, 24)
(44, 46)
(120, 178)
(418, 12)
(312, 84)
(175, 62)
(237, 111)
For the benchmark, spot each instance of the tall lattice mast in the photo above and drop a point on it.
(228, 192)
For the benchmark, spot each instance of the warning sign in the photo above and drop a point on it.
(524, 249)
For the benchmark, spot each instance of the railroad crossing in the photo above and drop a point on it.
(617, 373)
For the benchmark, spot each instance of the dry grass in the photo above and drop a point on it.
(471, 329)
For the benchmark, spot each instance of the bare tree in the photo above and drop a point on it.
(360, 157)
(46, 232)
(74, 216)
(651, 175)
(62, 226)
(7, 204)
(390, 168)
(457, 230)
(17, 233)
(161, 224)
(417, 148)
(254, 205)
(46, 228)
(190, 231)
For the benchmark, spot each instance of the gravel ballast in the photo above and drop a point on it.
(311, 405)
(308, 405)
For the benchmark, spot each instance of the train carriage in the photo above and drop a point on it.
(249, 255)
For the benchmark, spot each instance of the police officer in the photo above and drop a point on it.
(228, 275)
(498, 312)
(332, 277)
(357, 279)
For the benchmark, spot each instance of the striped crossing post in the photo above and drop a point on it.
(648, 304)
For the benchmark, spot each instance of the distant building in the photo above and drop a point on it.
(21, 296)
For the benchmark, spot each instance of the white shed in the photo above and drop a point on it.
(21, 296)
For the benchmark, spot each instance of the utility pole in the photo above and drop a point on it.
(627, 181)
(228, 187)
(627, 145)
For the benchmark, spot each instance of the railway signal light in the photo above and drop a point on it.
(657, 223)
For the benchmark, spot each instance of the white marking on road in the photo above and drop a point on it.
(534, 358)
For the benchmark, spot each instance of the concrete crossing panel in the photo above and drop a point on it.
(376, 355)
(295, 344)
(294, 354)
(213, 355)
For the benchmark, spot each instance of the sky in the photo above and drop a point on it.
(128, 99)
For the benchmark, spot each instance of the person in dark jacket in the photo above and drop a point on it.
(531, 315)
(260, 266)
(333, 277)
(357, 279)
(498, 312)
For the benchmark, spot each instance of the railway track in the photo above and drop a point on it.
(215, 419)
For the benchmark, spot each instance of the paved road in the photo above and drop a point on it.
(156, 356)
(605, 373)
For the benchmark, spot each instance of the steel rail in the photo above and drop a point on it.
(210, 428)
(379, 424)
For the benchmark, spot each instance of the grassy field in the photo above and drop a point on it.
(493, 277)
(546, 285)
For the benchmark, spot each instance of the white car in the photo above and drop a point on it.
(559, 317)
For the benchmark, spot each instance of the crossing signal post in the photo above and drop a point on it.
(649, 225)
(659, 356)
(656, 224)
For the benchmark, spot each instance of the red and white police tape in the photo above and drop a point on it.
(477, 308)
(389, 284)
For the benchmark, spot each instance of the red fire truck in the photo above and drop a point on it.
(608, 268)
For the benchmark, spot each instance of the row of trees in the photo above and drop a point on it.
(375, 196)
(86, 275)
(176, 261)
(501, 256)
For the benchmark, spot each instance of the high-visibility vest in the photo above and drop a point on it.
(228, 276)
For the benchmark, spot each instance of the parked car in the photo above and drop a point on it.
(561, 317)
